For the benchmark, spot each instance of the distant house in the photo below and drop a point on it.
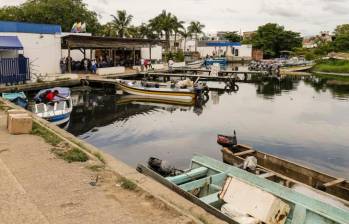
(233, 51)
(314, 41)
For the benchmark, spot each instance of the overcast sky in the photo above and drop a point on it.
(306, 16)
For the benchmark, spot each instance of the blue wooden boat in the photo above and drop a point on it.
(204, 181)
(210, 61)
(18, 98)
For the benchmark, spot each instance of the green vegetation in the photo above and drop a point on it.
(62, 12)
(75, 155)
(71, 155)
(128, 184)
(48, 136)
(336, 66)
(96, 168)
(273, 38)
(233, 36)
(196, 28)
(121, 22)
(99, 157)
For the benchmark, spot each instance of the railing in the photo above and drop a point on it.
(14, 70)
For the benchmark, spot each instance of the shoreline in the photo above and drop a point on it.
(171, 202)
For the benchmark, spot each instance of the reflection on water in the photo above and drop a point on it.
(304, 119)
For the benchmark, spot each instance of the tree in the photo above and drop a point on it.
(62, 12)
(177, 25)
(121, 23)
(233, 36)
(165, 22)
(341, 41)
(196, 27)
(273, 38)
(185, 34)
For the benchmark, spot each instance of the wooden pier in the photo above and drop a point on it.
(220, 73)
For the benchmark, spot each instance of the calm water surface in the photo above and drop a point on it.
(301, 119)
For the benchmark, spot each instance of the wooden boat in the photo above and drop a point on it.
(195, 64)
(157, 92)
(126, 99)
(205, 182)
(57, 112)
(18, 98)
(210, 61)
(290, 173)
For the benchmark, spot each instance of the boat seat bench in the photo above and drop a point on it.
(189, 176)
(334, 182)
(211, 198)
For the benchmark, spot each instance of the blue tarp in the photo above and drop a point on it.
(10, 43)
(19, 27)
(223, 44)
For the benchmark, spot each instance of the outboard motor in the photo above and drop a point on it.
(229, 142)
(162, 167)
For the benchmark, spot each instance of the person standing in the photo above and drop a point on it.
(93, 66)
(63, 65)
(142, 64)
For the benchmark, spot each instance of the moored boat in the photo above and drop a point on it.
(282, 170)
(18, 98)
(158, 92)
(210, 61)
(58, 111)
(233, 194)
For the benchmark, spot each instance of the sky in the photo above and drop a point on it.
(308, 17)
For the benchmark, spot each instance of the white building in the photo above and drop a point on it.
(41, 44)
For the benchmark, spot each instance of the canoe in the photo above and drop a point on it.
(164, 93)
(18, 98)
(289, 172)
(57, 112)
(205, 184)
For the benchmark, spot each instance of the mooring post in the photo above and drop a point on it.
(69, 60)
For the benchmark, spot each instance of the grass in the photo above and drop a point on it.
(96, 168)
(334, 77)
(48, 136)
(128, 184)
(75, 155)
(336, 66)
(99, 157)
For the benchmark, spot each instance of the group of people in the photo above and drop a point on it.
(146, 64)
(271, 67)
(85, 64)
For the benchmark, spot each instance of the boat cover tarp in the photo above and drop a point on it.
(10, 43)
(64, 92)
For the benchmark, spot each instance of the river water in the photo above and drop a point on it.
(303, 119)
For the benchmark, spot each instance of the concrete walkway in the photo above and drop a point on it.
(37, 187)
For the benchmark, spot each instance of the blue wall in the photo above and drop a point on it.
(19, 27)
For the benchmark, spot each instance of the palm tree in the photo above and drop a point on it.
(185, 34)
(121, 22)
(163, 23)
(196, 27)
(108, 30)
(177, 25)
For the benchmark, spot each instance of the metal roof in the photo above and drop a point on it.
(20, 27)
(10, 43)
(95, 42)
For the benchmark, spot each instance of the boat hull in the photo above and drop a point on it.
(288, 169)
(164, 95)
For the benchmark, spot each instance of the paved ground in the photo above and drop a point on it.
(37, 187)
